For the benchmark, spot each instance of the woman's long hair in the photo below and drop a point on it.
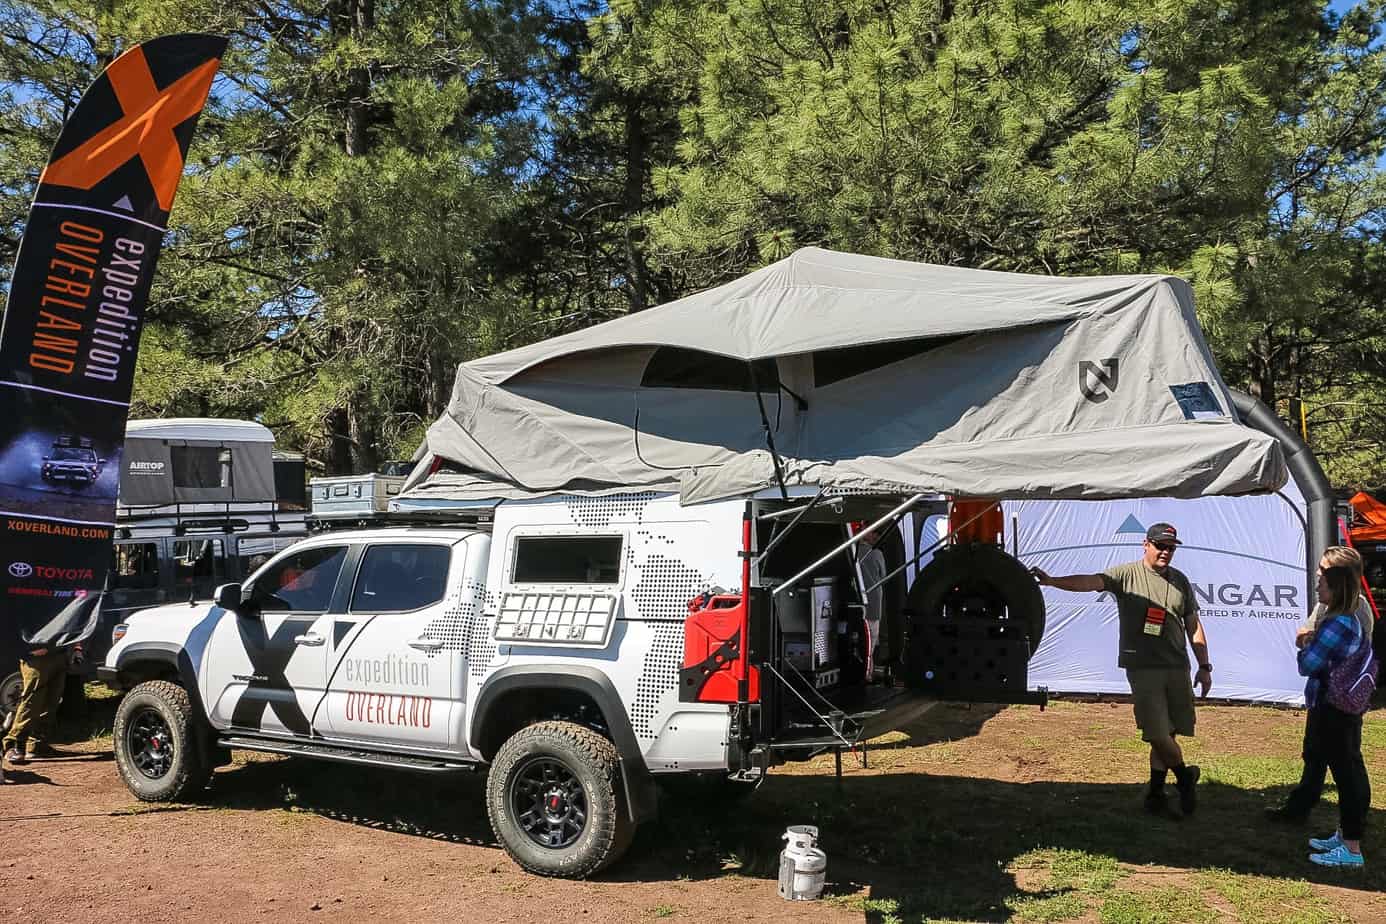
(1342, 572)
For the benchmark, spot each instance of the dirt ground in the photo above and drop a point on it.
(981, 813)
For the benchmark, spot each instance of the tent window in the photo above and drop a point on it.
(200, 466)
(676, 367)
(831, 366)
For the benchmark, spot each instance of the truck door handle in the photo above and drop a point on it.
(309, 639)
(424, 643)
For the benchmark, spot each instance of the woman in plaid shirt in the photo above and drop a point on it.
(1333, 738)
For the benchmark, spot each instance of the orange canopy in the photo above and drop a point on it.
(1369, 519)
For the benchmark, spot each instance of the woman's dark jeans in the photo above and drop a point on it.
(1333, 742)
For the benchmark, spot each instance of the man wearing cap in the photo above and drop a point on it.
(1158, 616)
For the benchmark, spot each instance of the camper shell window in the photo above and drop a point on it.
(567, 560)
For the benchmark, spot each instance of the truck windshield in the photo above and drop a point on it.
(69, 454)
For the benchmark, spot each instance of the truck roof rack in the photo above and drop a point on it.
(442, 519)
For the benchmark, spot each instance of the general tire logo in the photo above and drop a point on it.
(1098, 380)
(21, 569)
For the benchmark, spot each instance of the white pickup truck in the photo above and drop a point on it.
(580, 646)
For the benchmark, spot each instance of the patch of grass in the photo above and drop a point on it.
(1267, 900)
(1072, 879)
(1155, 906)
(1251, 772)
(664, 911)
(1075, 870)
(1046, 909)
(1132, 745)
(885, 910)
(1374, 732)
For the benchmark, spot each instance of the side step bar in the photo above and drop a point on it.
(346, 755)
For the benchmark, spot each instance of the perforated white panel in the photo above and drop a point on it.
(481, 646)
(664, 588)
(600, 511)
(454, 626)
(658, 682)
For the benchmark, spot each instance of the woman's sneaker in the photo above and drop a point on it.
(1338, 856)
(1321, 844)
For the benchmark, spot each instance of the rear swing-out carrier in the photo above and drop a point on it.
(809, 679)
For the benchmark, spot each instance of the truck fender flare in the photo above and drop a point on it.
(171, 654)
(641, 796)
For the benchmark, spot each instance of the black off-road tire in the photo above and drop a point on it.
(180, 771)
(593, 762)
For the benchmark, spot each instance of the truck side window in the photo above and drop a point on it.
(398, 578)
(200, 565)
(302, 582)
(567, 560)
(135, 566)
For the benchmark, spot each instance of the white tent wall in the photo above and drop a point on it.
(1243, 555)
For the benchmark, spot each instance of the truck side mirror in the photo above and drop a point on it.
(228, 596)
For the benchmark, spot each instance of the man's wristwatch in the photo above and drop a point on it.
(1206, 667)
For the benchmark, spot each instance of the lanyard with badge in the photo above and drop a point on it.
(1155, 615)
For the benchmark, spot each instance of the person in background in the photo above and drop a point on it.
(871, 565)
(1302, 799)
(1158, 618)
(41, 673)
(1333, 737)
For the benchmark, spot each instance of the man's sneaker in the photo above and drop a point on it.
(1338, 856)
(1321, 844)
(1157, 804)
(1188, 799)
(16, 756)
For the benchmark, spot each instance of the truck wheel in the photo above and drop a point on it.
(10, 688)
(157, 750)
(555, 800)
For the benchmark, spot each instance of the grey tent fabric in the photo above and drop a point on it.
(875, 375)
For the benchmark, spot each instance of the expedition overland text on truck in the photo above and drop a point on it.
(559, 647)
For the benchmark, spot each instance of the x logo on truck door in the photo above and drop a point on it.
(269, 685)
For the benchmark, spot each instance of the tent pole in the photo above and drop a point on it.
(769, 436)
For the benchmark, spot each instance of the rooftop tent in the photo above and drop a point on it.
(869, 374)
(196, 460)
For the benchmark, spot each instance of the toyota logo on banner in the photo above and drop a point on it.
(21, 569)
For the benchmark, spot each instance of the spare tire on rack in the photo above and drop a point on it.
(976, 617)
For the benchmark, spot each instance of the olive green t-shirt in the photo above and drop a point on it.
(1167, 600)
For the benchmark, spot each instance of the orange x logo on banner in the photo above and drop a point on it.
(145, 129)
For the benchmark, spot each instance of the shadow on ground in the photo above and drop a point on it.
(928, 845)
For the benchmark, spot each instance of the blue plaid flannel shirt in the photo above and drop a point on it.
(1333, 641)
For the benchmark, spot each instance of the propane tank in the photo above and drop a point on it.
(803, 867)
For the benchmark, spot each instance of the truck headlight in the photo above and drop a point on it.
(118, 632)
